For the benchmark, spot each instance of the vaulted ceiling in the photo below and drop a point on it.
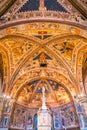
(27, 5)
(42, 53)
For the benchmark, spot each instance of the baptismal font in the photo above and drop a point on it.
(44, 115)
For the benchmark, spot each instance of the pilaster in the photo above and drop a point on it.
(1, 109)
(4, 112)
(83, 116)
(83, 102)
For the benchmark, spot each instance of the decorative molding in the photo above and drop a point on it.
(9, 20)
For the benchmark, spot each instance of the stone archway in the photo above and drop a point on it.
(60, 112)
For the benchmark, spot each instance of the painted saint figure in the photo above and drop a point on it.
(41, 5)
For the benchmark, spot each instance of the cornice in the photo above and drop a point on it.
(37, 16)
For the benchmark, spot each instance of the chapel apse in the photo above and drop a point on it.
(44, 45)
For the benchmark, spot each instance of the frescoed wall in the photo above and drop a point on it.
(63, 117)
(43, 43)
